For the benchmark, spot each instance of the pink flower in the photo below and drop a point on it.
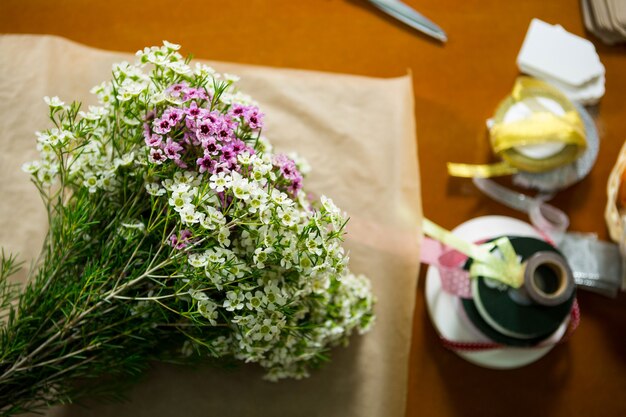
(162, 126)
(191, 138)
(295, 186)
(290, 172)
(224, 132)
(177, 90)
(254, 118)
(213, 117)
(172, 149)
(180, 242)
(156, 156)
(154, 141)
(205, 163)
(237, 110)
(194, 112)
(181, 164)
(173, 115)
(238, 146)
(211, 146)
(220, 167)
(228, 154)
(232, 124)
(146, 130)
(286, 165)
(191, 124)
(205, 130)
(195, 93)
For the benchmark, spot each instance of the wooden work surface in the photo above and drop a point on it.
(457, 86)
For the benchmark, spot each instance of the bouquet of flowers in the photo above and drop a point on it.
(175, 234)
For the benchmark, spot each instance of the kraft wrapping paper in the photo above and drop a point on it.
(357, 133)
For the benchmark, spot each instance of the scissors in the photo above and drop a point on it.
(407, 15)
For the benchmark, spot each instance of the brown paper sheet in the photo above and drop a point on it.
(358, 135)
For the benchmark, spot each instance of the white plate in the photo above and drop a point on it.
(448, 316)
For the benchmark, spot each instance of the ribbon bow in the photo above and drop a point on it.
(506, 269)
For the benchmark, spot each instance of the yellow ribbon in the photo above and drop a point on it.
(507, 269)
(541, 127)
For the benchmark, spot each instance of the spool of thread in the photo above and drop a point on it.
(531, 313)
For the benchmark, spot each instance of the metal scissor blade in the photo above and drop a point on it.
(409, 16)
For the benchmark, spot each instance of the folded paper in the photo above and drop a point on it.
(325, 118)
(567, 61)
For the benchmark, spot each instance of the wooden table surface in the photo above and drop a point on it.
(456, 87)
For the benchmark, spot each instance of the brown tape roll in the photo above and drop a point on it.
(548, 279)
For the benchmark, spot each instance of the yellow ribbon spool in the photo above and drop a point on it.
(543, 126)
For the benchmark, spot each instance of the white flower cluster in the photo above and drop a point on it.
(275, 270)
(262, 263)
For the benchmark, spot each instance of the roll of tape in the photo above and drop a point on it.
(548, 279)
(509, 315)
(597, 266)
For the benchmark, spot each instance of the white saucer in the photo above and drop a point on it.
(448, 316)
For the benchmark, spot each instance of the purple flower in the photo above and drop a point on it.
(232, 165)
(286, 165)
(213, 117)
(232, 124)
(150, 115)
(172, 149)
(191, 124)
(296, 186)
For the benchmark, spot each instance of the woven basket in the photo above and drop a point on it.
(616, 222)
